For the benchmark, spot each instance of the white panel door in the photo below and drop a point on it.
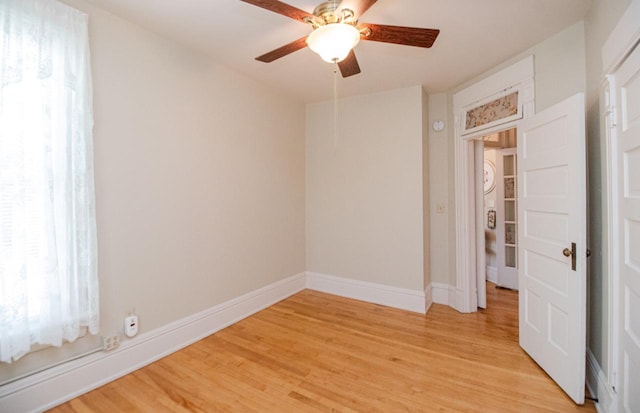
(627, 84)
(552, 223)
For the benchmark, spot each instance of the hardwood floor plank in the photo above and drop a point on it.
(315, 352)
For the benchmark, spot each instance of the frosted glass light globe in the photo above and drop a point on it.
(334, 41)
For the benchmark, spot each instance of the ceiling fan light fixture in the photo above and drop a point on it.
(334, 41)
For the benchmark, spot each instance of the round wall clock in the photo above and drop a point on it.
(489, 176)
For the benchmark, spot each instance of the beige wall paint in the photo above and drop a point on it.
(426, 193)
(559, 66)
(364, 189)
(199, 176)
(439, 190)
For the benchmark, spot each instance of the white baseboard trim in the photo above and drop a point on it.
(492, 274)
(457, 300)
(598, 386)
(440, 293)
(396, 297)
(428, 298)
(54, 386)
(447, 295)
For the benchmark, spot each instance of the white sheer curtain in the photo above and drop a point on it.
(48, 251)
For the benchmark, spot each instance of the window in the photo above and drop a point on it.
(48, 248)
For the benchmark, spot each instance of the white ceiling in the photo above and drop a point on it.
(475, 36)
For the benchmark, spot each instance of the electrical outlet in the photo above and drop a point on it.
(110, 342)
(131, 325)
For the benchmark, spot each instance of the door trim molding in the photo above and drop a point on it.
(611, 238)
(620, 43)
(520, 77)
(598, 385)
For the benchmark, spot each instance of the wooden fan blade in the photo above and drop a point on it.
(284, 50)
(281, 8)
(349, 66)
(410, 36)
(359, 7)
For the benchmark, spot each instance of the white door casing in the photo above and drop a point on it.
(552, 216)
(627, 95)
(481, 259)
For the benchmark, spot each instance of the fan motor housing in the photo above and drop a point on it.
(326, 13)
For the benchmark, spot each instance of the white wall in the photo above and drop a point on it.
(364, 189)
(199, 176)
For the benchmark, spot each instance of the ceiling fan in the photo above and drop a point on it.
(336, 31)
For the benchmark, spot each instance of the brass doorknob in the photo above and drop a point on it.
(571, 253)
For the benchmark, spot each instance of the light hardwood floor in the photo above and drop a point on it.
(316, 352)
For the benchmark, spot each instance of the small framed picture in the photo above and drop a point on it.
(491, 219)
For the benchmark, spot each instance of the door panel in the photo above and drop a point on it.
(551, 274)
(627, 83)
(552, 216)
(547, 183)
(548, 225)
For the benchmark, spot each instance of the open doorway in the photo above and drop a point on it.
(552, 249)
(499, 233)
(498, 87)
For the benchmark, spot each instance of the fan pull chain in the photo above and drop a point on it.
(335, 107)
